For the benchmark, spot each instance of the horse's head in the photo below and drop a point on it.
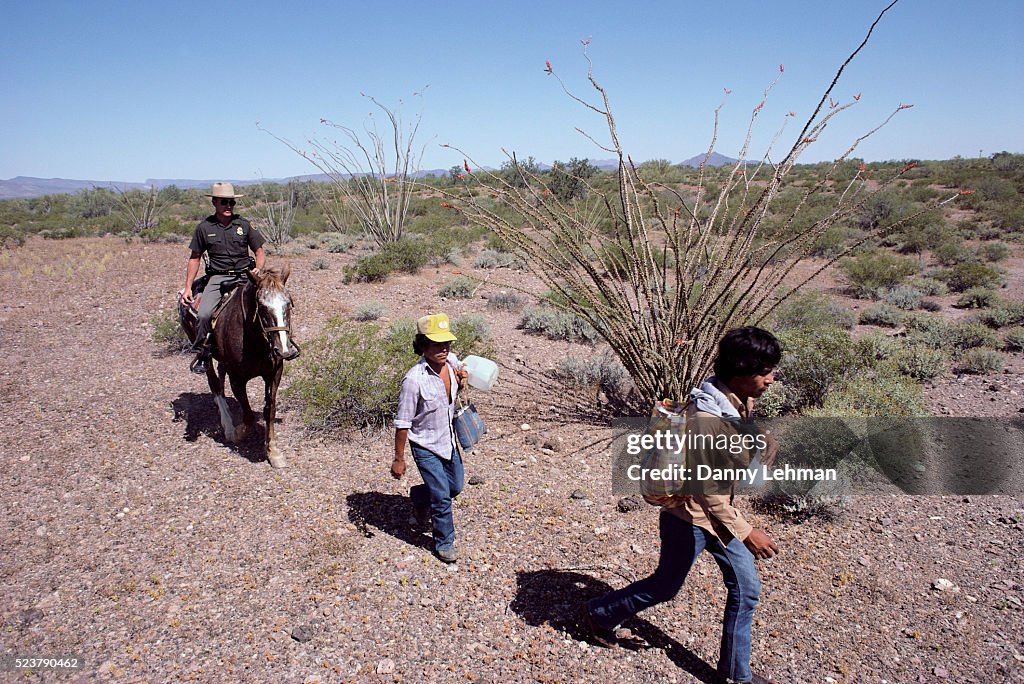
(273, 311)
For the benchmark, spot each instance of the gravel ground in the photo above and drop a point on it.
(138, 540)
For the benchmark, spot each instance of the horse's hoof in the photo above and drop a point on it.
(277, 461)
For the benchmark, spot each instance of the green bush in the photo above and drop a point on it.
(813, 361)
(968, 335)
(904, 297)
(603, 371)
(930, 287)
(881, 395)
(319, 264)
(1003, 315)
(977, 298)
(557, 325)
(874, 347)
(340, 244)
(963, 277)
(994, 251)
(871, 272)
(953, 253)
(1013, 339)
(981, 361)
(812, 309)
(459, 287)
(884, 315)
(350, 376)
(167, 331)
(11, 237)
(504, 301)
(921, 362)
(370, 311)
(474, 335)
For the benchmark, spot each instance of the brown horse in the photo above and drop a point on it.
(252, 338)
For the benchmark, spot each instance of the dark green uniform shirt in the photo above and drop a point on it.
(227, 246)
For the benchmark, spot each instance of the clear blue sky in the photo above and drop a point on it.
(134, 90)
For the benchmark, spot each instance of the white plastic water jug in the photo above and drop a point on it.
(483, 373)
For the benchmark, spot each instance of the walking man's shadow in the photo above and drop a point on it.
(388, 513)
(554, 597)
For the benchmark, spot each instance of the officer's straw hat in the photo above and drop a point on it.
(223, 190)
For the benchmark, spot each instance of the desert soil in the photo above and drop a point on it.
(135, 538)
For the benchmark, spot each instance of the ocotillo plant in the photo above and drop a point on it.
(662, 276)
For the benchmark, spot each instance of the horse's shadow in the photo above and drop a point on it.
(199, 413)
(388, 513)
(554, 597)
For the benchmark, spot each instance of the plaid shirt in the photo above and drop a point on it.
(423, 410)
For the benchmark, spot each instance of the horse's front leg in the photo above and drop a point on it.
(248, 417)
(277, 460)
(216, 381)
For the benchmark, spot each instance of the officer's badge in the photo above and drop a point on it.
(238, 230)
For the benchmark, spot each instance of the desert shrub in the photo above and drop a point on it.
(603, 371)
(474, 335)
(870, 272)
(904, 297)
(776, 401)
(874, 347)
(994, 251)
(921, 362)
(167, 331)
(11, 237)
(350, 376)
(812, 309)
(1013, 339)
(320, 264)
(504, 301)
(486, 259)
(1002, 315)
(963, 277)
(930, 305)
(557, 325)
(309, 241)
(405, 255)
(881, 395)
(813, 361)
(969, 335)
(370, 311)
(952, 253)
(981, 361)
(459, 287)
(930, 287)
(977, 298)
(340, 244)
(884, 315)
(831, 243)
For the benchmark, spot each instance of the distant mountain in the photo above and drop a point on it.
(714, 159)
(24, 186)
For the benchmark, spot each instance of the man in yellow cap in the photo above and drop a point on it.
(426, 407)
(226, 238)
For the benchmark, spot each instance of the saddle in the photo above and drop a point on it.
(228, 291)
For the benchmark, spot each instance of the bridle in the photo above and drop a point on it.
(268, 331)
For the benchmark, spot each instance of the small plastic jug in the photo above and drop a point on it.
(483, 373)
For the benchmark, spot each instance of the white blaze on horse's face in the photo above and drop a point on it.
(276, 303)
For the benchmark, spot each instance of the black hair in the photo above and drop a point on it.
(419, 344)
(746, 351)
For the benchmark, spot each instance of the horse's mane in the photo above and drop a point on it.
(273, 277)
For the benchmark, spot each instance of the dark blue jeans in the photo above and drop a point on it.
(681, 543)
(442, 482)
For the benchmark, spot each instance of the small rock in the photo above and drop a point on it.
(578, 494)
(476, 480)
(940, 672)
(942, 584)
(302, 633)
(386, 666)
(628, 503)
(864, 561)
(552, 444)
(600, 530)
(525, 427)
(25, 459)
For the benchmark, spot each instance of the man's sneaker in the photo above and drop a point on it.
(447, 555)
(601, 635)
(200, 365)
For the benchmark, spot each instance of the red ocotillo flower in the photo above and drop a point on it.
(782, 67)
(549, 70)
(904, 106)
(857, 96)
(465, 165)
(968, 192)
(862, 167)
(791, 114)
(758, 107)
(908, 167)
(727, 91)
(832, 103)
(809, 140)
(461, 176)
(323, 120)
(586, 41)
(446, 205)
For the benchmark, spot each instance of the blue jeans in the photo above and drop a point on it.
(442, 482)
(681, 543)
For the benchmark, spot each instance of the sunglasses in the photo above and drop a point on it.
(228, 202)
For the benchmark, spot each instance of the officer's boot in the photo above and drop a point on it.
(202, 361)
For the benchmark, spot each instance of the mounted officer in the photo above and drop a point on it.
(226, 238)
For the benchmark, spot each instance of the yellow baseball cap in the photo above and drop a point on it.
(436, 328)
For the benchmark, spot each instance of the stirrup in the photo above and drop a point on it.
(200, 364)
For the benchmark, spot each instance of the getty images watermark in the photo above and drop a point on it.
(858, 455)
